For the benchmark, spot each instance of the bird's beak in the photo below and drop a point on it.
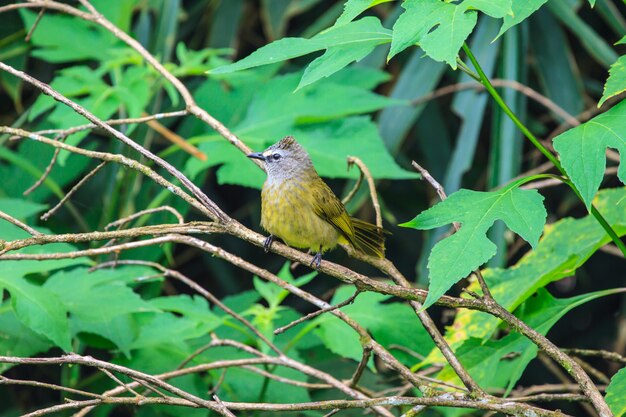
(256, 155)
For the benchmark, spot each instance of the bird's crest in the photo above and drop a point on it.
(287, 142)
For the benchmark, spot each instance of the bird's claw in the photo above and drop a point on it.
(316, 262)
(268, 243)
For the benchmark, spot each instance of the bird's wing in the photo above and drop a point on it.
(330, 208)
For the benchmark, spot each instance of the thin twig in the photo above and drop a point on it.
(19, 224)
(354, 189)
(120, 383)
(176, 139)
(110, 122)
(284, 380)
(367, 353)
(46, 172)
(34, 26)
(219, 382)
(71, 192)
(214, 210)
(513, 84)
(149, 388)
(604, 354)
(133, 216)
(9, 381)
(372, 186)
(316, 313)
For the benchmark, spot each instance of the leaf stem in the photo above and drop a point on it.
(463, 67)
(484, 80)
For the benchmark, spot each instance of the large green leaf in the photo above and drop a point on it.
(183, 318)
(615, 397)
(441, 28)
(53, 32)
(316, 116)
(564, 247)
(455, 257)
(16, 339)
(361, 35)
(616, 83)
(582, 150)
(97, 300)
(38, 308)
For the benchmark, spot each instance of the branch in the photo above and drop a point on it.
(370, 182)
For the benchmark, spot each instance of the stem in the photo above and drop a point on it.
(467, 70)
(485, 81)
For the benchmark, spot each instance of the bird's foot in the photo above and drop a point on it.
(268, 243)
(316, 262)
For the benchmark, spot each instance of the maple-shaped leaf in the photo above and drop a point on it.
(456, 256)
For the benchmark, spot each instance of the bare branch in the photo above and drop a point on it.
(314, 314)
(71, 192)
(133, 216)
(19, 224)
(372, 186)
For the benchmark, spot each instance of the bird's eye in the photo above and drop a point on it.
(276, 156)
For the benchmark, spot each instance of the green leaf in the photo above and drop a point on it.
(20, 209)
(11, 270)
(361, 34)
(615, 397)
(455, 257)
(16, 339)
(311, 115)
(496, 9)
(333, 60)
(98, 301)
(167, 328)
(353, 8)
(582, 150)
(273, 294)
(53, 32)
(439, 28)
(521, 9)
(100, 294)
(39, 309)
(565, 246)
(616, 83)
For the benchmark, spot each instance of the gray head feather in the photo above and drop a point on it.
(287, 159)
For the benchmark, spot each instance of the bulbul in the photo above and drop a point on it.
(298, 207)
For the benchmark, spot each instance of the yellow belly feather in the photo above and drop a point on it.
(287, 213)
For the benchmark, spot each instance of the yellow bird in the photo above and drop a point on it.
(298, 207)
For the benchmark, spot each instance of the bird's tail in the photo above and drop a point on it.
(368, 238)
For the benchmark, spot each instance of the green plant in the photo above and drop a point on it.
(126, 303)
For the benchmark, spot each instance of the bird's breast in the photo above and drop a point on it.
(287, 212)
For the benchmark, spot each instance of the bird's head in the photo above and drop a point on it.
(285, 159)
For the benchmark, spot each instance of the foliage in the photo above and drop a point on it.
(355, 97)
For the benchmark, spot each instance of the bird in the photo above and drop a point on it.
(298, 207)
